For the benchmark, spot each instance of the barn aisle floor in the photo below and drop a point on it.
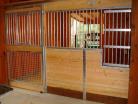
(19, 96)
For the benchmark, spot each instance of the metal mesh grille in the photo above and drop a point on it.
(24, 66)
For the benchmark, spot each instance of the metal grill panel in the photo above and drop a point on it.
(117, 38)
(23, 28)
(24, 66)
(74, 29)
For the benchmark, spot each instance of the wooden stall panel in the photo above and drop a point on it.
(64, 68)
(110, 81)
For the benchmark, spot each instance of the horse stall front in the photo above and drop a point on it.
(80, 50)
(24, 50)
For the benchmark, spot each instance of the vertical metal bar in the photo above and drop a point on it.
(76, 32)
(40, 27)
(90, 29)
(22, 33)
(94, 28)
(112, 36)
(109, 40)
(124, 38)
(10, 29)
(17, 29)
(129, 38)
(32, 29)
(48, 31)
(84, 74)
(63, 30)
(44, 75)
(45, 28)
(29, 30)
(35, 28)
(14, 32)
(14, 29)
(97, 42)
(60, 29)
(25, 29)
(83, 12)
(66, 29)
(116, 39)
(25, 38)
(80, 24)
(87, 31)
(57, 40)
(54, 30)
(101, 37)
(6, 28)
(120, 39)
(69, 24)
(105, 39)
(51, 31)
(23, 42)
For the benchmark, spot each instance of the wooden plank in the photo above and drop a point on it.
(16, 10)
(64, 68)
(27, 85)
(110, 81)
(3, 69)
(77, 17)
(133, 84)
(75, 4)
(24, 48)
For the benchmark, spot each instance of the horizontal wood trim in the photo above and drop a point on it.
(24, 48)
(65, 92)
(75, 4)
(90, 96)
(23, 10)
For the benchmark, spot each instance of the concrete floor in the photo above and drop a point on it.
(19, 96)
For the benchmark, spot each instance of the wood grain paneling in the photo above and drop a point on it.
(24, 48)
(27, 85)
(75, 4)
(111, 81)
(133, 84)
(64, 68)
